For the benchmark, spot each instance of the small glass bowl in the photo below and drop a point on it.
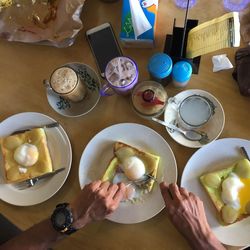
(149, 99)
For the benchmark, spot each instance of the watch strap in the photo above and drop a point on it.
(68, 230)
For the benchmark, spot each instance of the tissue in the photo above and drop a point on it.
(221, 62)
(139, 20)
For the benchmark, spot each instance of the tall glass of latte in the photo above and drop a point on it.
(65, 82)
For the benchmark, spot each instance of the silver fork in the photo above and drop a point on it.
(31, 182)
(146, 178)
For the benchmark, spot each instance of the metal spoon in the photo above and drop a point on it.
(191, 135)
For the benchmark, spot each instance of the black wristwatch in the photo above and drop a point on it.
(62, 219)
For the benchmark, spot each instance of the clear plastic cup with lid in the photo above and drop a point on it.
(149, 99)
(121, 74)
(181, 74)
(160, 68)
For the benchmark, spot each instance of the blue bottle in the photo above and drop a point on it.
(181, 73)
(160, 68)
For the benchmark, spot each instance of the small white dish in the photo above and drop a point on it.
(214, 156)
(61, 155)
(75, 109)
(99, 151)
(212, 128)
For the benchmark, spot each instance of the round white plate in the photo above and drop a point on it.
(99, 151)
(61, 155)
(213, 127)
(214, 156)
(75, 109)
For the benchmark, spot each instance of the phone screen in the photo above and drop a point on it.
(104, 46)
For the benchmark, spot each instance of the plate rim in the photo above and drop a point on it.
(198, 91)
(183, 184)
(64, 135)
(154, 132)
(82, 114)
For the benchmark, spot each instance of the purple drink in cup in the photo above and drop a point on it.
(121, 74)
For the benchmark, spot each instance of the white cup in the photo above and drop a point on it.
(194, 111)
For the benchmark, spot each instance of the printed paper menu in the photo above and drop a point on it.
(219, 33)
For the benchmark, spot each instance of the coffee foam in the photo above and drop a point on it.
(63, 80)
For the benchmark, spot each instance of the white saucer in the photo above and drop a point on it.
(75, 109)
(212, 128)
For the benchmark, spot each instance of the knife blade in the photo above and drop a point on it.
(50, 125)
(32, 181)
(44, 176)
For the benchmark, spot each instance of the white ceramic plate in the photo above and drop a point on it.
(214, 156)
(99, 151)
(61, 155)
(75, 109)
(213, 127)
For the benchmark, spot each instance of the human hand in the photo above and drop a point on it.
(95, 202)
(186, 212)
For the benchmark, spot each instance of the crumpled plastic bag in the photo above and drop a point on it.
(49, 22)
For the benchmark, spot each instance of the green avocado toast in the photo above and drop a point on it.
(213, 182)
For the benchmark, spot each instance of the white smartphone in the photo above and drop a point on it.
(103, 44)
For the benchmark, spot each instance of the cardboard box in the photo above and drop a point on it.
(138, 23)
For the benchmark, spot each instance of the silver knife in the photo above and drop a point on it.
(44, 176)
(50, 125)
(32, 181)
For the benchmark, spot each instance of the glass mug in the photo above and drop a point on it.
(121, 74)
(66, 82)
(194, 111)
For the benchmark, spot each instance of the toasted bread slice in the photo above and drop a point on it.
(122, 151)
(212, 183)
(12, 169)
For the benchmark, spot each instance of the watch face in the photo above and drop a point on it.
(60, 219)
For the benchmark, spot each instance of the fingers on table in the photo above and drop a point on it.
(184, 192)
(165, 192)
(174, 191)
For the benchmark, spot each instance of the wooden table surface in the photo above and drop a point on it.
(24, 66)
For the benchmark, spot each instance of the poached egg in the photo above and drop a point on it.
(133, 168)
(235, 192)
(26, 154)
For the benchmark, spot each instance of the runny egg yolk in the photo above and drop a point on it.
(244, 195)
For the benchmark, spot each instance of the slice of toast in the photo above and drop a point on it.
(212, 183)
(122, 151)
(12, 169)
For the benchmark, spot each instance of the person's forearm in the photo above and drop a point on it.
(40, 236)
(203, 238)
(209, 242)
